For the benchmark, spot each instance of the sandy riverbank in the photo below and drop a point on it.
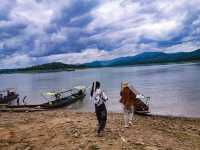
(66, 130)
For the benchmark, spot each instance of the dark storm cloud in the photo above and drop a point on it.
(76, 31)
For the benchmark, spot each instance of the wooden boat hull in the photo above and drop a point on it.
(53, 104)
(63, 101)
(23, 106)
(8, 99)
(141, 107)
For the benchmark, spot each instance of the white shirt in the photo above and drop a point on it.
(99, 97)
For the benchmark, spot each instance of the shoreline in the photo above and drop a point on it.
(78, 69)
(66, 129)
(24, 110)
(174, 116)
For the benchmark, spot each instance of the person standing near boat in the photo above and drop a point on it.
(99, 98)
(127, 99)
(1, 97)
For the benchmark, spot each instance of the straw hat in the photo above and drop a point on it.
(124, 84)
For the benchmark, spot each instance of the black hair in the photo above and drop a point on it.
(92, 89)
(97, 86)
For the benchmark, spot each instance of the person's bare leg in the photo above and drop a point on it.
(126, 117)
(131, 115)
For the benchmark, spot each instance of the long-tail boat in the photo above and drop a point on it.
(56, 99)
(8, 95)
(64, 98)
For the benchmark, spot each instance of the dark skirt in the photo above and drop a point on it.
(101, 114)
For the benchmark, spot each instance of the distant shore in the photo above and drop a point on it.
(64, 129)
(29, 71)
(34, 71)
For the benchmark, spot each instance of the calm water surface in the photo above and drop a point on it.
(174, 89)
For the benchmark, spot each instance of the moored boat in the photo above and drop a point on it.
(57, 99)
(64, 98)
(8, 95)
(141, 103)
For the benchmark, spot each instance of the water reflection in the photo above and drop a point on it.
(174, 89)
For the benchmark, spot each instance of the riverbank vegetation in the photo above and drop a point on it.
(147, 58)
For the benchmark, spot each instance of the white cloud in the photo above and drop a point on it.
(117, 28)
(58, 37)
(39, 14)
(22, 60)
(183, 47)
(16, 61)
(132, 20)
(87, 55)
(112, 12)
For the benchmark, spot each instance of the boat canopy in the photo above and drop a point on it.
(50, 93)
(53, 93)
(8, 89)
(80, 87)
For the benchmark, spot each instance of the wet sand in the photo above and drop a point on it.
(66, 130)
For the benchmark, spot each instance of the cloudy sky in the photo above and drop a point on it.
(78, 31)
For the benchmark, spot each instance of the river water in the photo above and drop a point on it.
(174, 89)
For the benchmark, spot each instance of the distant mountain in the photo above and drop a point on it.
(148, 58)
(143, 58)
(49, 67)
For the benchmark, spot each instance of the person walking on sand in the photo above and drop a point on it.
(99, 98)
(128, 100)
